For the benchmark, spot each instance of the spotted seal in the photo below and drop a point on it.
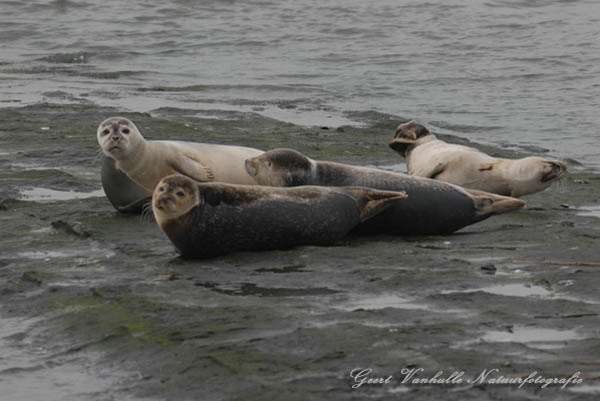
(210, 219)
(432, 207)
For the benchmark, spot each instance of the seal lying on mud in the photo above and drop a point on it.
(429, 157)
(125, 195)
(432, 207)
(147, 162)
(209, 219)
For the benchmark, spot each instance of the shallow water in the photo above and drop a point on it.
(522, 75)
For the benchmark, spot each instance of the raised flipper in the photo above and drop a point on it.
(487, 204)
(187, 166)
(372, 201)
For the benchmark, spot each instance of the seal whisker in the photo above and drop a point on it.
(98, 156)
(147, 215)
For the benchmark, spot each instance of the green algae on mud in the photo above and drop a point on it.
(286, 324)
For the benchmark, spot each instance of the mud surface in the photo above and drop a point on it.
(97, 305)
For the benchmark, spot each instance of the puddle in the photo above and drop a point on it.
(46, 254)
(586, 389)
(589, 211)
(52, 195)
(29, 371)
(511, 290)
(29, 167)
(88, 252)
(534, 337)
(379, 302)
(246, 289)
(395, 168)
(518, 290)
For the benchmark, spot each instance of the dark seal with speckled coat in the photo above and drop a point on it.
(210, 219)
(432, 207)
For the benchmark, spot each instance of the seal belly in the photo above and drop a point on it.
(125, 195)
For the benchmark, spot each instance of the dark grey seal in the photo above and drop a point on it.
(209, 219)
(432, 207)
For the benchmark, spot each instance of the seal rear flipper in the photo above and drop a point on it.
(189, 167)
(487, 204)
(371, 202)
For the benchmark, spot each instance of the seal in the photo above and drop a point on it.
(427, 156)
(432, 207)
(209, 219)
(145, 163)
(125, 195)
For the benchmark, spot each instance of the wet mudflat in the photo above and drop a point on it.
(97, 306)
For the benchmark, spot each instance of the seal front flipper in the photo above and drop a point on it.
(371, 202)
(187, 166)
(434, 172)
(487, 204)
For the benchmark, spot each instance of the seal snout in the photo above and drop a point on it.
(251, 167)
(557, 170)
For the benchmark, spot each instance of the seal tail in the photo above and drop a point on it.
(371, 202)
(487, 204)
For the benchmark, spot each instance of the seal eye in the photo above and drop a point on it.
(125, 130)
(269, 164)
(161, 189)
(106, 132)
(179, 194)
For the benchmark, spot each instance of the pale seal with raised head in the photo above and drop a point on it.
(210, 219)
(145, 163)
(427, 156)
(432, 207)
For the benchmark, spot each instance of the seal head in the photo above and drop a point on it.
(174, 198)
(280, 168)
(407, 135)
(118, 137)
